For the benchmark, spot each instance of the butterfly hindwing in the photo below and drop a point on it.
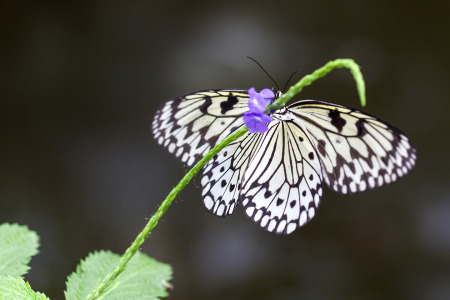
(190, 125)
(222, 176)
(357, 150)
(282, 184)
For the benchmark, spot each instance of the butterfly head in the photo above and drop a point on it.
(278, 93)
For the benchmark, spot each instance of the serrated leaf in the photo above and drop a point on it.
(17, 245)
(144, 277)
(16, 288)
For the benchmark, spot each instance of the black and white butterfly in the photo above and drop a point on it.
(277, 175)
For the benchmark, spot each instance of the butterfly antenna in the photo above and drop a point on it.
(264, 71)
(287, 82)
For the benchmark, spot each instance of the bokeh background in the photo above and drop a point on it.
(80, 82)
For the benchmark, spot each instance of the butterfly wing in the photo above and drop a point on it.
(282, 184)
(222, 176)
(357, 151)
(190, 125)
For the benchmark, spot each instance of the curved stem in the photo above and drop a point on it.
(140, 239)
(319, 73)
(280, 102)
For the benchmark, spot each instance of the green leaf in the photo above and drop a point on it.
(17, 245)
(144, 277)
(16, 288)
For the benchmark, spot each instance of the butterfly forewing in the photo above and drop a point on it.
(282, 183)
(190, 125)
(357, 150)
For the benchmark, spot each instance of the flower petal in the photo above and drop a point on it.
(258, 101)
(267, 94)
(252, 92)
(256, 121)
(256, 104)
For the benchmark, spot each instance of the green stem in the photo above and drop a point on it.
(305, 81)
(319, 73)
(131, 251)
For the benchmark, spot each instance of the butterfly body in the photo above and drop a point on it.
(278, 175)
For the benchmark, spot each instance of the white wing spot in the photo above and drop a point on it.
(209, 203)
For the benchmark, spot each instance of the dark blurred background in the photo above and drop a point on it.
(80, 82)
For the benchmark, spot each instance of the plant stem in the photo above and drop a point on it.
(102, 287)
(319, 73)
(131, 251)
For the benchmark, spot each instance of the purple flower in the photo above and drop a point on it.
(259, 101)
(256, 121)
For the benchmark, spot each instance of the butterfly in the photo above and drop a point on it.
(278, 175)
